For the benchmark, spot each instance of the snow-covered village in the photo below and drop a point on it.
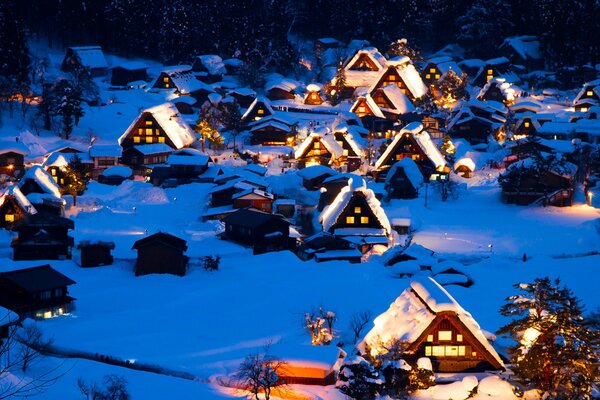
(299, 199)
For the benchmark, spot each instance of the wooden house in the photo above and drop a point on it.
(263, 231)
(39, 292)
(319, 148)
(187, 164)
(524, 148)
(584, 105)
(314, 95)
(244, 96)
(255, 198)
(56, 164)
(284, 207)
(273, 131)
(433, 325)
(314, 175)
(324, 246)
(259, 108)
(95, 253)
(104, 156)
(438, 67)
(356, 213)
(281, 89)
(332, 186)
(523, 50)
(161, 253)
(12, 154)
(387, 102)
(553, 186)
(412, 142)
(403, 180)
(208, 68)
(464, 167)
(222, 195)
(129, 75)
(115, 175)
(146, 155)
(406, 77)
(160, 124)
(43, 236)
(364, 67)
(42, 190)
(309, 365)
(181, 79)
(15, 208)
(352, 152)
(323, 44)
(476, 120)
(497, 89)
(495, 68)
(90, 58)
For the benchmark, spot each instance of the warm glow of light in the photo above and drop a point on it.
(530, 336)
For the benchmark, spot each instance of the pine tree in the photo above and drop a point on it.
(76, 178)
(484, 26)
(451, 88)
(339, 87)
(231, 119)
(401, 47)
(556, 350)
(206, 131)
(67, 105)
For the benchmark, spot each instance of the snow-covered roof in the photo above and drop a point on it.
(422, 139)
(61, 160)
(154, 148)
(526, 104)
(168, 117)
(592, 85)
(370, 103)
(188, 157)
(105, 150)
(365, 78)
(13, 146)
(20, 198)
(497, 61)
(118, 170)
(280, 82)
(213, 64)
(313, 87)
(589, 126)
(465, 162)
(90, 56)
(184, 80)
(509, 91)
(528, 47)
(257, 100)
(264, 122)
(412, 79)
(326, 138)
(399, 101)
(332, 212)
(411, 170)
(413, 311)
(43, 178)
(315, 171)
(350, 139)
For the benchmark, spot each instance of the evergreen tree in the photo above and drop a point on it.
(76, 178)
(67, 105)
(339, 88)
(231, 119)
(401, 47)
(451, 88)
(556, 349)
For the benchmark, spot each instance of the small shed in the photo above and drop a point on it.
(464, 167)
(264, 231)
(90, 58)
(161, 253)
(115, 175)
(124, 75)
(95, 253)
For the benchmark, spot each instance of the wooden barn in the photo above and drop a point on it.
(260, 108)
(309, 365)
(415, 143)
(273, 131)
(95, 253)
(160, 124)
(43, 236)
(39, 292)
(161, 253)
(434, 325)
(12, 156)
(90, 58)
(319, 148)
(356, 213)
(15, 208)
(403, 180)
(131, 74)
(263, 231)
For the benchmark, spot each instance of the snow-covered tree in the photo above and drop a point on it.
(401, 47)
(67, 105)
(451, 88)
(556, 350)
(484, 26)
(76, 178)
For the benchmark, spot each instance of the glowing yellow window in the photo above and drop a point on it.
(140, 130)
(445, 335)
(430, 338)
(166, 79)
(459, 337)
(53, 172)
(427, 351)
(149, 139)
(461, 350)
(364, 220)
(437, 76)
(589, 93)
(136, 139)
(149, 131)
(357, 210)
(437, 351)
(392, 77)
(161, 139)
(62, 181)
(490, 72)
(345, 152)
(451, 351)
(9, 218)
(362, 109)
(149, 122)
(167, 85)
(349, 219)
(427, 76)
(432, 70)
(474, 354)
(260, 111)
(314, 96)
(403, 91)
(584, 109)
(526, 124)
(48, 314)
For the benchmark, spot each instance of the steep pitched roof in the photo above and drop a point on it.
(168, 117)
(21, 199)
(257, 101)
(331, 213)
(90, 56)
(251, 218)
(509, 91)
(410, 169)
(414, 311)
(37, 279)
(43, 179)
(184, 80)
(325, 137)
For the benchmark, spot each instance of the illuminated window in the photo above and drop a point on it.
(48, 314)
(427, 76)
(432, 70)
(392, 78)
(445, 335)
(362, 109)
(136, 139)
(161, 139)
(459, 337)
(589, 93)
(149, 131)
(437, 76)
(490, 72)
(166, 79)
(140, 130)
(260, 111)
(345, 152)
(62, 181)
(584, 109)
(349, 219)
(53, 172)
(403, 91)
(451, 351)
(149, 139)
(526, 124)
(364, 220)
(461, 350)
(148, 122)
(430, 338)
(167, 85)
(474, 354)
(437, 351)
(9, 218)
(490, 77)
(357, 210)
(314, 96)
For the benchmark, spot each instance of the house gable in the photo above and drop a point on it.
(405, 147)
(364, 62)
(257, 110)
(146, 130)
(362, 108)
(316, 148)
(357, 214)
(392, 77)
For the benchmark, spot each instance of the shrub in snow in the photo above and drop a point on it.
(359, 379)
(115, 388)
(211, 263)
(320, 326)
(556, 347)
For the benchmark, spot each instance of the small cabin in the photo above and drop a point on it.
(324, 246)
(313, 176)
(146, 155)
(38, 185)
(309, 365)
(15, 208)
(271, 131)
(438, 67)
(208, 68)
(187, 164)
(116, 175)
(161, 253)
(39, 292)
(433, 325)
(223, 194)
(403, 180)
(244, 96)
(56, 165)
(476, 120)
(90, 58)
(314, 95)
(259, 109)
(281, 89)
(43, 236)
(12, 155)
(263, 231)
(129, 75)
(464, 167)
(589, 91)
(95, 253)
(254, 198)
(319, 148)
(494, 68)
(104, 156)
(160, 124)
